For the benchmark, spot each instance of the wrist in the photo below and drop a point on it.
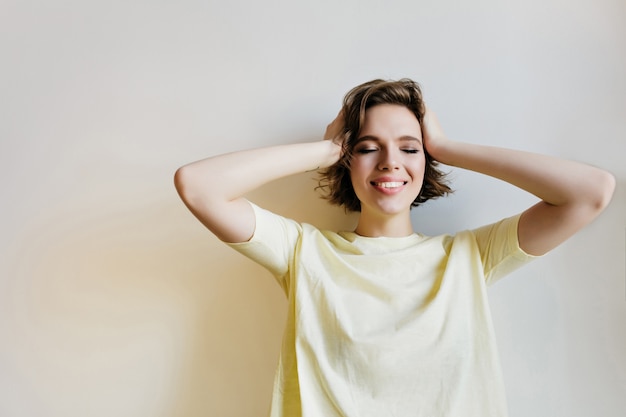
(440, 149)
(333, 153)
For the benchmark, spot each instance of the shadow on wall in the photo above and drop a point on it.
(143, 312)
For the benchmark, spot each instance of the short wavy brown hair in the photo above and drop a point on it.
(335, 181)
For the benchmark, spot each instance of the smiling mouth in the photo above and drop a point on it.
(391, 184)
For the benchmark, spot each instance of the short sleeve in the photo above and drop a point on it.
(273, 243)
(499, 248)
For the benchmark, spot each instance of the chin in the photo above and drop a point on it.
(393, 210)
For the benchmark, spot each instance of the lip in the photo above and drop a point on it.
(388, 185)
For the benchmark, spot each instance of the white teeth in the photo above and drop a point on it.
(389, 184)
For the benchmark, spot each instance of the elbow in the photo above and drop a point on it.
(182, 183)
(192, 189)
(179, 180)
(604, 187)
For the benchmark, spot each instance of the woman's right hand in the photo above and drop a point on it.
(334, 131)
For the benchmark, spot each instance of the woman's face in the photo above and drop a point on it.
(388, 162)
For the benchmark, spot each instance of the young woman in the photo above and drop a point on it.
(383, 321)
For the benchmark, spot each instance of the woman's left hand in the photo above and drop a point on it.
(432, 134)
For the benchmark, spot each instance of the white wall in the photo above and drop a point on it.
(114, 300)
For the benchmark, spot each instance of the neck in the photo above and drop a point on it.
(384, 226)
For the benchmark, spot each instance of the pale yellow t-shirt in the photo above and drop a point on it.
(382, 327)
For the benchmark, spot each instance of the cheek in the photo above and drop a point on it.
(358, 177)
(358, 169)
(419, 167)
(355, 179)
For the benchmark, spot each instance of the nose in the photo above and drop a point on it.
(388, 160)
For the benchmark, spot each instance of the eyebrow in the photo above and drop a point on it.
(405, 138)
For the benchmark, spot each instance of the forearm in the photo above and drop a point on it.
(226, 177)
(555, 181)
(213, 188)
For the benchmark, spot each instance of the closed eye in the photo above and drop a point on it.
(410, 150)
(366, 150)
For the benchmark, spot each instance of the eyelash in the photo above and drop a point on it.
(369, 150)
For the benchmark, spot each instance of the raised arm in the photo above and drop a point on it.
(572, 194)
(212, 188)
